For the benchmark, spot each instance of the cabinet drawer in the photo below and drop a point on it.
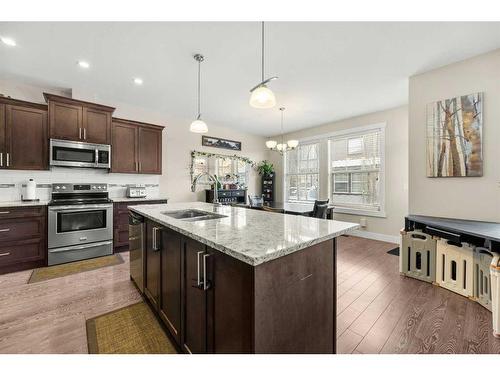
(22, 251)
(21, 228)
(19, 212)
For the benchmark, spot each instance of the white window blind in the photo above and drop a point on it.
(356, 170)
(302, 173)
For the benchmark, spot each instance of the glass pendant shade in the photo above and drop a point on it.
(281, 146)
(198, 126)
(271, 144)
(262, 97)
(292, 143)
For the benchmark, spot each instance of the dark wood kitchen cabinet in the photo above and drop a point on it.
(78, 120)
(170, 299)
(152, 281)
(23, 238)
(136, 147)
(286, 305)
(194, 335)
(23, 135)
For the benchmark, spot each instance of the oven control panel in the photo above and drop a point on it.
(79, 188)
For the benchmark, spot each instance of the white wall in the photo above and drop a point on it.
(178, 142)
(396, 165)
(476, 198)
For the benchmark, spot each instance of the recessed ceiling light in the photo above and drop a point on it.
(9, 41)
(138, 81)
(83, 64)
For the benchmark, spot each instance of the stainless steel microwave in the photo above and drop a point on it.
(79, 154)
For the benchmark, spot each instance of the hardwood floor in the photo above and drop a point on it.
(379, 311)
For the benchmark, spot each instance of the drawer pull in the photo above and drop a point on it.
(4, 212)
(4, 254)
(5, 230)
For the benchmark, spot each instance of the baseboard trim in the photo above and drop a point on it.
(375, 236)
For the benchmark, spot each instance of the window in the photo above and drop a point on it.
(302, 173)
(237, 170)
(356, 166)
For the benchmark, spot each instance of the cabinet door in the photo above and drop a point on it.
(194, 333)
(66, 121)
(2, 135)
(152, 279)
(124, 158)
(26, 138)
(149, 150)
(170, 301)
(97, 126)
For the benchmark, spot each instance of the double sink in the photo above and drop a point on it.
(192, 215)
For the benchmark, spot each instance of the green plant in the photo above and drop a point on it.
(265, 168)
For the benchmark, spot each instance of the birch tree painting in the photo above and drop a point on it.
(454, 137)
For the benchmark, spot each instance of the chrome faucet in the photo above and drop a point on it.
(213, 180)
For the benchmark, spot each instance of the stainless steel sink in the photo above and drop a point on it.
(192, 215)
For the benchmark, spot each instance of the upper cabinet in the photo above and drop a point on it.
(136, 147)
(77, 120)
(23, 135)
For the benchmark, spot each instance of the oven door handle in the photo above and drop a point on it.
(85, 207)
(82, 247)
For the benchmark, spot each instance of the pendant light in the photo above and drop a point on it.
(261, 96)
(282, 147)
(198, 125)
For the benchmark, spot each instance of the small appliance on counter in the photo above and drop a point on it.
(137, 191)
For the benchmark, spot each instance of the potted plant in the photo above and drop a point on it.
(265, 168)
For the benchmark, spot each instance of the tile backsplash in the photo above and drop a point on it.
(13, 183)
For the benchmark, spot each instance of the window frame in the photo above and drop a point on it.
(353, 133)
(307, 175)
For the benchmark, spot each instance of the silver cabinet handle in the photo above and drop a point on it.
(154, 238)
(8, 160)
(5, 230)
(84, 133)
(4, 254)
(198, 267)
(156, 247)
(1, 159)
(80, 133)
(4, 212)
(205, 284)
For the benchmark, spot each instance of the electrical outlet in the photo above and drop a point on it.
(362, 222)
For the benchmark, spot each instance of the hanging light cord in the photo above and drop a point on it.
(199, 85)
(262, 54)
(282, 136)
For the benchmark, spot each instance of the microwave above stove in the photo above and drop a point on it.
(79, 154)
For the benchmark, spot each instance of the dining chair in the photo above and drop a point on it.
(321, 211)
(318, 203)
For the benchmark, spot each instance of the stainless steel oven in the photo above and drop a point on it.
(79, 154)
(80, 222)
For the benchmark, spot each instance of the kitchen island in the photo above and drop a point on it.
(232, 280)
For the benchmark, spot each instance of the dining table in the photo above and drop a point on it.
(292, 208)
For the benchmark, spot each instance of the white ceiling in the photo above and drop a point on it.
(327, 70)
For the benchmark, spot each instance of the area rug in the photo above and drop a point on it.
(129, 330)
(394, 251)
(60, 270)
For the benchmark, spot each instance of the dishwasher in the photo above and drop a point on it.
(136, 248)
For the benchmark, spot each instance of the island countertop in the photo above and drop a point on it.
(252, 236)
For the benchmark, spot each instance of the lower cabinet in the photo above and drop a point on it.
(170, 296)
(152, 281)
(211, 302)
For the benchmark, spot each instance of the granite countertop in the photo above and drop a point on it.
(23, 204)
(126, 199)
(252, 236)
